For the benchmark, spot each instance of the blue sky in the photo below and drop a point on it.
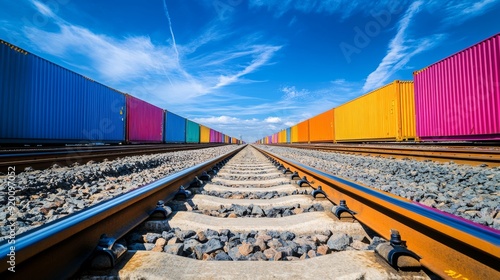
(246, 67)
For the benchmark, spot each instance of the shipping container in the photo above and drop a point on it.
(144, 121)
(303, 132)
(42, 102)
(282, 136)
(289, 135)
(321, 127)
(192, 132)
(385, 114)
(175, 128)
(213, 136)
(204, 134)
(226, 139)
(295, 133)
(235, 141)
(458, 98)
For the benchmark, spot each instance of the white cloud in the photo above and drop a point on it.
(272, 120)
(291, 92)
(401, 49)
(264, 54)
(44, 9)
(455, 12)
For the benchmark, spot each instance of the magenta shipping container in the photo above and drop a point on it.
(144, 121)
(213, 136)
(458, 98)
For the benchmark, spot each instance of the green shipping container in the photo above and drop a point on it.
(192, 132)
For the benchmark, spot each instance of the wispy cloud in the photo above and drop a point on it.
(44, 9)
(174, 44)
(345, 8)
(455, 12)
(168, 74)
(263, 53)
(401, 50)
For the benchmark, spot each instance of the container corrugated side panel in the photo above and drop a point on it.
(226, 139)
(16, 95)
(371, 117)
(458, 98)
(213, 136)
(192, 132)
(204, 134)
(407, 110)
(303, 131)
(321, 127)
(43, 102)
(175, 128)
(295, 134)
(144, 121)
(289, 135)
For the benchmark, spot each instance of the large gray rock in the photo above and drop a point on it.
(338, 241)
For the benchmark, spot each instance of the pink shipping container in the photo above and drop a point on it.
(144, 121)
(213, 136)
(458, 98)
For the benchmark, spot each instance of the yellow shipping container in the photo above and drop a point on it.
(282, 136)
(321, 127)
(303, 131)
(295, 134)
(226, 139)
(204, 134)
(387, 113)
(234, 140)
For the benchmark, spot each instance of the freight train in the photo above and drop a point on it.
(44, 103)
(454, 99)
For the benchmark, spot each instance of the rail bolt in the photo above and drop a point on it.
(161, 212)
(396, 253)
(107, 253)
(205, 177)
(195, 183)
(303, 181)
(318, 191)
(182, 193)
(342, 211)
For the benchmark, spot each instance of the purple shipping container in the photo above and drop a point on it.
(458, 98)
(144, 121)
(213, 136)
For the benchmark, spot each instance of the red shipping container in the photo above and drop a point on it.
(144, 121)
(458, 98)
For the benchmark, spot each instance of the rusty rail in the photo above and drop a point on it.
(464, 155)
(58, 249)
(81, 155)
(449, 246)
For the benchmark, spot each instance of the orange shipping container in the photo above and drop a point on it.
(387, 113)
(303, 132)
(321, 127)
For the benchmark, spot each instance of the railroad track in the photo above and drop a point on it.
(44, 158)
(248, 185)
(462, 155)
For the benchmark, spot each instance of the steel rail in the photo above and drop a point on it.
(462, 155)
(47, 158)
(449, 246)
(58, 249)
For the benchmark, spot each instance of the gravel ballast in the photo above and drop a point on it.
(42, 196)
(467, 191)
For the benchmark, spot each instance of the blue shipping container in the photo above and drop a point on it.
(192, 132)
(289, 135)
(42, 102)
(175, 128)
